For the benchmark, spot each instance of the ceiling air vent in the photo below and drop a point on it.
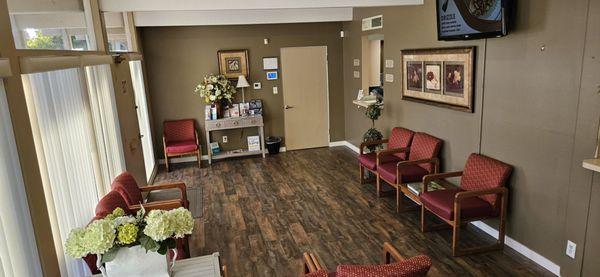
(372, 23)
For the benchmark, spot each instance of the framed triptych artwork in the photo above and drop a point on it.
(441, 77)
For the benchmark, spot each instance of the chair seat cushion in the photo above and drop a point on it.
(413, 267)
(181, 147)
(320, 273)
(441, 202)
(410, 174)
(369, 160)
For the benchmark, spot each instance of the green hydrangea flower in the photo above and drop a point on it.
(182, 221)
(74, 246)
(118, 212)
(158, 225)
(127, 234)
(99, 236)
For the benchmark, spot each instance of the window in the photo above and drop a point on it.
(118, 30)
(18, 252)
(78, 141)
(52, 25)
(137, 76)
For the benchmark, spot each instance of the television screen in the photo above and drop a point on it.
(471, 19)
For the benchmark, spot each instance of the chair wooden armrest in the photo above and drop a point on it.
(389, 252)
(387, 152)
(181, 186)
(473, 193)
(439, 176)
(158, 205)
(370, 143)
(311, 263)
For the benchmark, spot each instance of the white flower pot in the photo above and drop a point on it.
(135, 262)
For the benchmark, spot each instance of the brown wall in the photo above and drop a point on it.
(527, 106)
(177, 58)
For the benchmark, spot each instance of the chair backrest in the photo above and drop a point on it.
(424, 146)
(179, 130)
(483, 172)
(128, 188)
(400, 138)
(109, 203)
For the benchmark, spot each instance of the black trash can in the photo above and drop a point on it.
(273, 144)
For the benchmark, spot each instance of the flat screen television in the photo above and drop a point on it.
(472, 19)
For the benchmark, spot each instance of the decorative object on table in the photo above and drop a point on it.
(218, 91)
(253, 143)
(272, 75)
(242, 83)
(256, 107)
(441, 77)
(214, 148)
(207, 113)
(227, 112)
(132, 245)
(360, 95)
(233, 63)
(244, 109)
(373, 113)
(270, 63)
(180, 138)
(235, 110)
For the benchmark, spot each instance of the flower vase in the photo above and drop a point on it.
(137, 262)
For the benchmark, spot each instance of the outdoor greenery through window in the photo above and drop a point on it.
(52, 25)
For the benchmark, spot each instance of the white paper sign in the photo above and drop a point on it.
(389, 63)
(270, 63)
(253, 143)
(389, 78)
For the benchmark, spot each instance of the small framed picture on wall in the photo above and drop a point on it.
(233, 63)
(270, 63)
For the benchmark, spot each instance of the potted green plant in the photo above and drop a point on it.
(373, 113)
(129, 245)
(217, 91)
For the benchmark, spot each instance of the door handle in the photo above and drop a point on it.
(287, 107)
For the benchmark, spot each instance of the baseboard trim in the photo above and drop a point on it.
(515, 245)
(190, 159)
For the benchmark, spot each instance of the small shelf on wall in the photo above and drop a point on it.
(592, 164)
(365, 104)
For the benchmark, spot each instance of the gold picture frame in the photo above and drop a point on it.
(233, 63)
(440, 76)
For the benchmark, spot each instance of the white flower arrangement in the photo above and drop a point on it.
(156, 232)
(215, 88)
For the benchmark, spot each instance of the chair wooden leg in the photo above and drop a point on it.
(361, 174)
(378, 185)
(199, 154)
(167, 162)
(399, 204)
(423, 228)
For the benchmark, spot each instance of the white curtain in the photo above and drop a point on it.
(66, 147)
(137, 76)
(106, 122)
(18, 252)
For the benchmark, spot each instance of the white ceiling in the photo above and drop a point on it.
(241, 12)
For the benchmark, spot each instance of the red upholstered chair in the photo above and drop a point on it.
(400, 267)
(422, 160)
(180, 138)
(126, 185)
(399, 139)
(482, 194)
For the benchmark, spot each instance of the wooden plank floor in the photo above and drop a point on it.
(261, 214)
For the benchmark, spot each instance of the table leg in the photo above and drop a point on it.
(262, 140)
(208, 150)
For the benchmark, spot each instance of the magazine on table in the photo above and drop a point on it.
(417, 188)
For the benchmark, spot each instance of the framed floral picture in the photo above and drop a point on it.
(441, 77)
(233, 63)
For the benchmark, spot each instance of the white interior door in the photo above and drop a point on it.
(305, 97)
(137, 77)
